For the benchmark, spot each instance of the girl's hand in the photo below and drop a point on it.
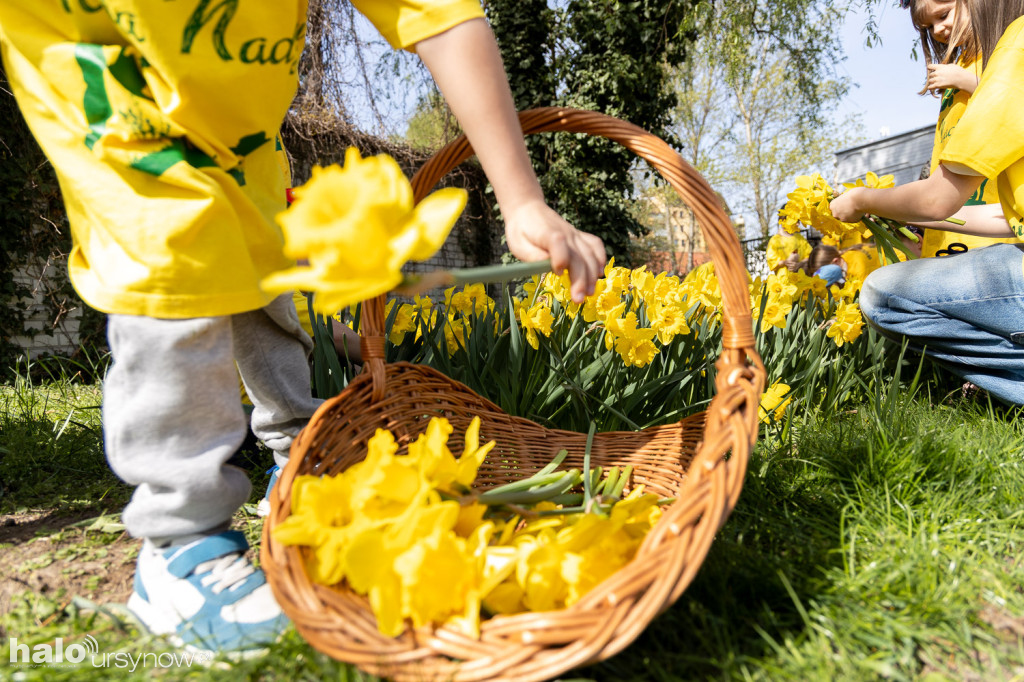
(942, 76)
(845, 207)
(535, 232)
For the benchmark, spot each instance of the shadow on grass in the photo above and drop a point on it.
(776, 544)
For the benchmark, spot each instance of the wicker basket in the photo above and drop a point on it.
(689, 460)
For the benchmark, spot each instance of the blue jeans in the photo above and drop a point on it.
(966, 311)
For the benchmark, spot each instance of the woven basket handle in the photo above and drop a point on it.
(718, 231)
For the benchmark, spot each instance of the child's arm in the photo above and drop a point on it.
(942, 76)
(467, 67)
(980, 220)
(937, 197)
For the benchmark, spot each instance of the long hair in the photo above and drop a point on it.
(934, 52)
(981, 23)
(820, 255)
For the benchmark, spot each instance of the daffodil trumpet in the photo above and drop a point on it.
(354, 227)
(415, 284)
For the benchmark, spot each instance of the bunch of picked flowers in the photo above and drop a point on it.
(808, 204)
(410, 532)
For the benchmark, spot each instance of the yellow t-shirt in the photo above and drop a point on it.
(989, 138)
(951, 110)
(160, 120)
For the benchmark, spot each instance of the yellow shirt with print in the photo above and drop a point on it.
(160, 120)
(989, 138)
(954, 104)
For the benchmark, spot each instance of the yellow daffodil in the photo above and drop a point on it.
(534, 320)
(848, 291)
(456, 333)
(775, 313)
(873, 181)
(785, 246)
(664, 289)
(704, 288)
(356, 227)
(773, 402)
(668, 320)
(403, 322)
(847, 325)
(471, 300)
(559, 286)
(782, 288)
(634, 344)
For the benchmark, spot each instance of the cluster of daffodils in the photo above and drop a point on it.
(462, 309)
(411, 533)
(808, 205)
(638, 311)
(772, 299)
(352, 228)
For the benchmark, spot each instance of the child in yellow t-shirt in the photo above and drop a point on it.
(953, 79)
(159, 119)
(966, 310)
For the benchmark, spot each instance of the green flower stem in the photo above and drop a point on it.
(908, 234)
(620, 484)
(553, 464)
(593, 507)
(885, 239)
(412, 284)
(610, 481)
(588, 487)
(525, 484)
(567, 479)
(500, 273)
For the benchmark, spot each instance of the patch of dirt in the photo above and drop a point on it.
(64, 556)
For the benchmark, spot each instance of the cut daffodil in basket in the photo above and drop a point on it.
(412, 534)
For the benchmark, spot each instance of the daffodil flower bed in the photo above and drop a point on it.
(635, 353)
(412, 534)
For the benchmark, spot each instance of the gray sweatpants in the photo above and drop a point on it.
(172, 412)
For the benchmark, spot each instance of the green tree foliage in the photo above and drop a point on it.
(432, 124)
(600, 55)
(740, 34)
(755, 100)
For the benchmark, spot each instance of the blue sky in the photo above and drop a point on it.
(887, 78)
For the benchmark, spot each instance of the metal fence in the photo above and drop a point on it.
(754, 252)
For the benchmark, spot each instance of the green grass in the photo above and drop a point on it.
(880, 542)
(51, 453)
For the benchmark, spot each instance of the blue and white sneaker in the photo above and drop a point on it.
(206, 596)
(263, 508)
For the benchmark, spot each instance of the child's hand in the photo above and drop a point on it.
(844, 207)
(535, 232)
(942, 76)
